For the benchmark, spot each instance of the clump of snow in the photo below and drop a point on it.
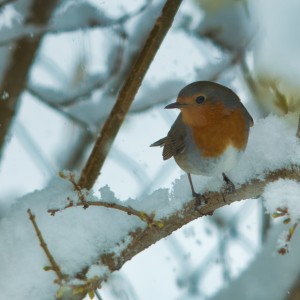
(9, 16)
(108, 195)
(281, 199)
(260, 158)
(75, 237)
(283, 244)
(283, 194)
(97, 271)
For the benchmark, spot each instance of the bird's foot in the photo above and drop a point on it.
(228, 188)
(200, 200)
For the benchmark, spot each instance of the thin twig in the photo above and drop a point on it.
(90, 24)
(127, 94)
(57, 108)
(82, 95)
(97, 294)
(149, 219)
(85, 92)
(82, 194)
(54, 266)
(5, 2)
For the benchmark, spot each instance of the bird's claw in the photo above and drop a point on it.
(228, 189)
(200, 200)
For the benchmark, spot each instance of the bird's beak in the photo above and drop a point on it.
(175, 105)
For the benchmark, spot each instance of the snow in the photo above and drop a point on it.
(8, 16)
(281, 199)
(283, 194)
(77, 237)
(72, 237)
(97, 271)
(268, 134)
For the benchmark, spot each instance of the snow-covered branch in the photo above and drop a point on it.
(88, 244)
(143, 238)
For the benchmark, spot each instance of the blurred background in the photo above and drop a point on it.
(62, 66)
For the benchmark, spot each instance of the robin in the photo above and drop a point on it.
(210, 134)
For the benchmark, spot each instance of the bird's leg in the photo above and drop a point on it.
(198, 197)
(229, 187)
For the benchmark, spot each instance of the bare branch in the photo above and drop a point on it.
(54, 266)
(82, 93)
(93, 23)
(149, 219)
(102, 22)
(82, 194)
(127, 94)
(57, 108)
(294, 292)
(20, 61)
(5, 2)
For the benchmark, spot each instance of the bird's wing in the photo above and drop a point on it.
(251, 122)
(173, 143)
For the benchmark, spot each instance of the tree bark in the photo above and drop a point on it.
(20, 62)
(127, 94)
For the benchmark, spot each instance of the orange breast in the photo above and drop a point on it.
(214, 128)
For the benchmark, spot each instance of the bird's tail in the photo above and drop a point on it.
(160, 143)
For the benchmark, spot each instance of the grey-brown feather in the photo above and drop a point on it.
(173, 143)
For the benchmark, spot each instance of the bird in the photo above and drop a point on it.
(209, 135)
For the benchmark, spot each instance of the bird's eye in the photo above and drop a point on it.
(200, 99)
